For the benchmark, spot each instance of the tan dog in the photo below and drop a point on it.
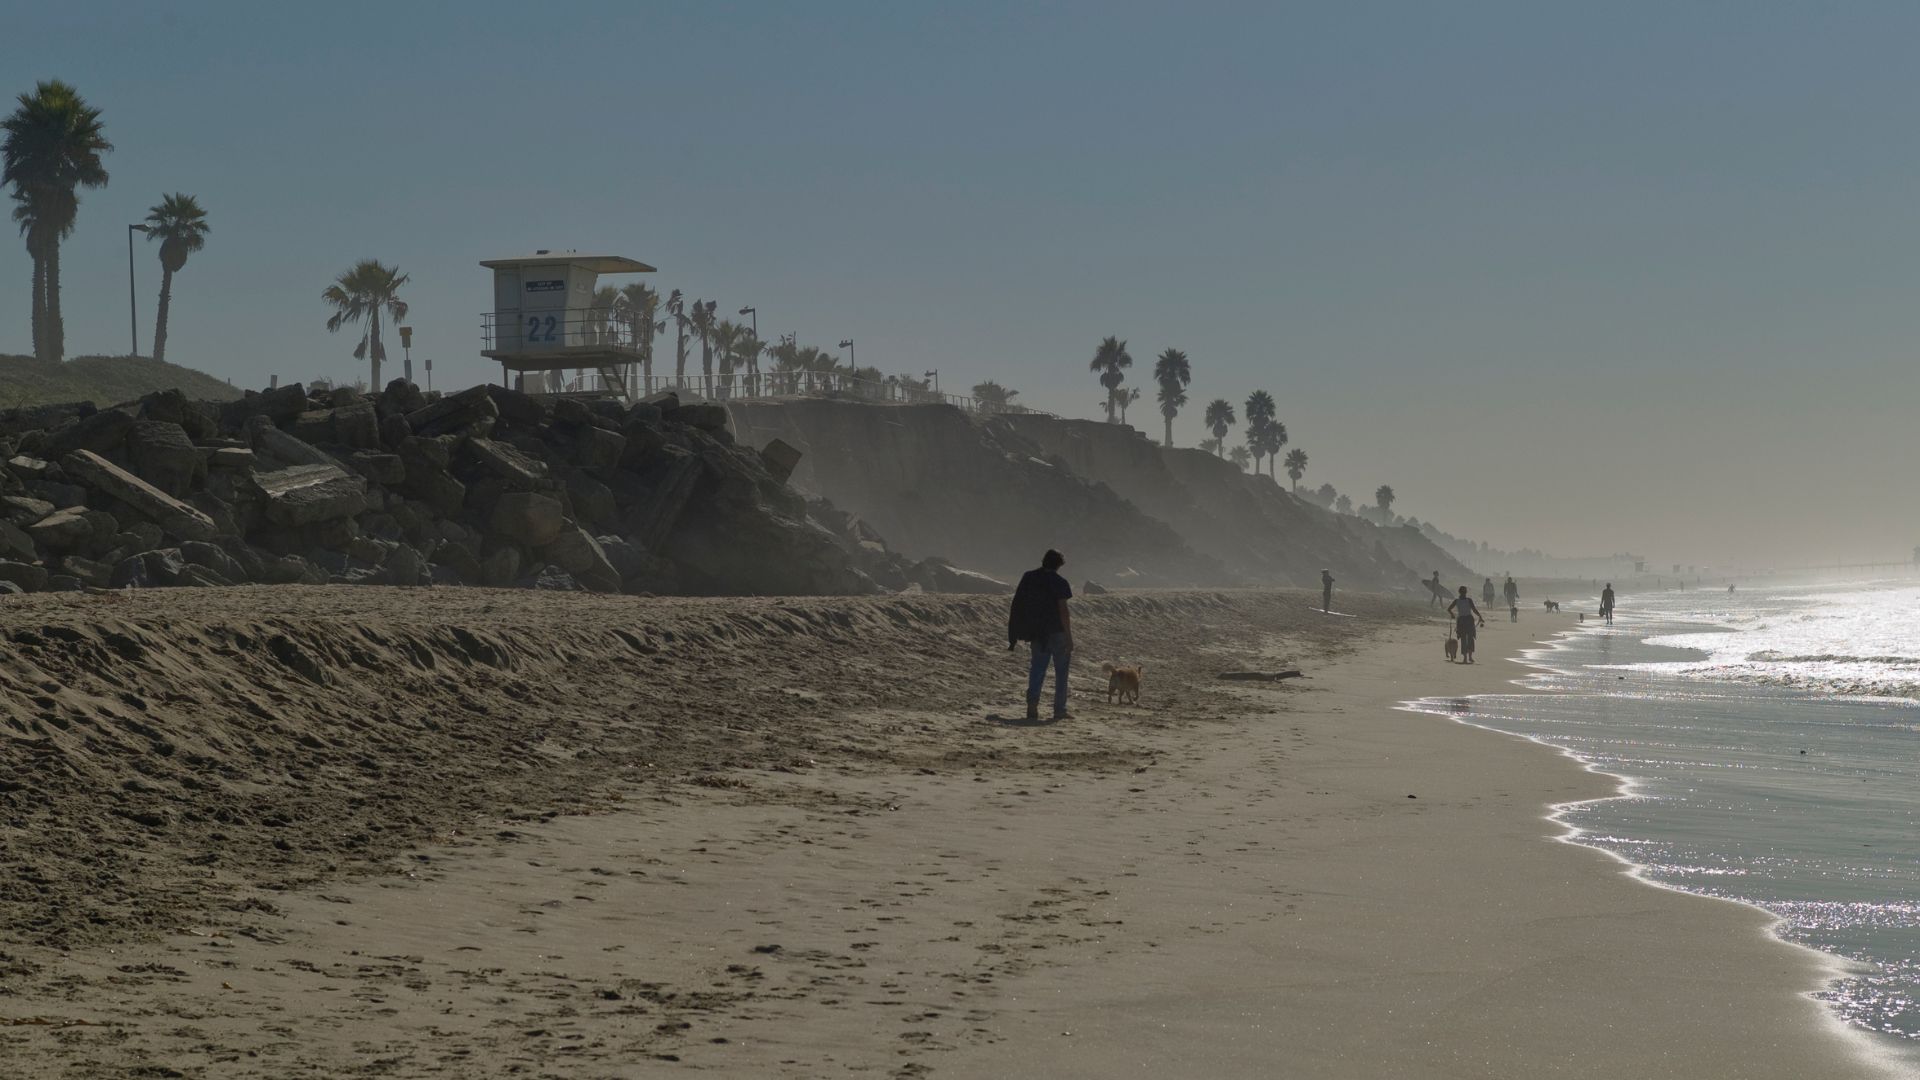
(1123, 681)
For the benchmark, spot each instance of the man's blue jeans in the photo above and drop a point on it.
(1053, 650)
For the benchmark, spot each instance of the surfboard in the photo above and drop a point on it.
(1335, 614)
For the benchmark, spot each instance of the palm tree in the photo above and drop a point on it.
(181, 227)
(1126, 397)
(1383, 496)
(52, 149)
(1296, 466)
(747, 351)
(726, 339)
(786, 362)
(638, 310)
(34, 231)
(1173, 373)
(1238, 455)
(597, 320)
(1111, 361)
(677, 310)
(702, 320)
(363, 293)
(1326, 494)
(1343, 505)
(1218, 419)
(1273, 436)
(1260, 410)
(992, 397)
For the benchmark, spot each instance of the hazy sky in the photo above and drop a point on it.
(1589, 277)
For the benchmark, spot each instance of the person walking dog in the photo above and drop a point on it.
(1040, 618)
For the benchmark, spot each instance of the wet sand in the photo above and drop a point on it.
(808, 838)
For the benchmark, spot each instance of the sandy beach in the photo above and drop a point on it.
(412, 833)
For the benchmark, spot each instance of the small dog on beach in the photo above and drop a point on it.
(1553, 605)
(1123, 682)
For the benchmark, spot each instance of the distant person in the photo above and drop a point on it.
(1511, 592)
(1729, 588)
(1326, 590)
(1438, 590)
(1486, 592)
(1606, 603)
(1040, 617)
(1464, 614)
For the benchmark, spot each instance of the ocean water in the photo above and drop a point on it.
(1770, 739)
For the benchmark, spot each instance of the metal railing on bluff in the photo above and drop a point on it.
(775, 385)
(530, 330)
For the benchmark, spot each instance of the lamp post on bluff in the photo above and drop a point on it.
(133, 319)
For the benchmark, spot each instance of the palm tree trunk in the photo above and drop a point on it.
(160, 319)
(56, 334)
(680, 358)
(39, 305)
(1169, 432)
(646, 358)
(373, 349)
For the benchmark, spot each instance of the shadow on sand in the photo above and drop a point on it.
(1018, 721)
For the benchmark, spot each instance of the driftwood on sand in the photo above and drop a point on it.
(1259, 676)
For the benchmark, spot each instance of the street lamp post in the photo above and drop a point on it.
(406, 350)
(851, 362)
(133, 318)
(754, 312)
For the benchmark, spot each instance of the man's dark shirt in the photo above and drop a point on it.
(1036, 606)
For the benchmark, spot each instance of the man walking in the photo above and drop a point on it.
(1326, 590)
(1513, 598)
(1040, 617)
(1606, 603)
(1438, 590)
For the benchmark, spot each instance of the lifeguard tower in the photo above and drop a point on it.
(544, 322)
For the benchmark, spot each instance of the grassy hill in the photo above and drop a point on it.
(103, 380)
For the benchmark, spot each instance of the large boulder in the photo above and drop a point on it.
(464, 412)
(143, 498)
(306, 494)
(75, 528)
(27, 576)
(214, 558)
(669, 482)
(580, 555)
(24, 509)
(15, 543)
(706, 417)
(426, 462)
(279, 405)
(159, 452)
(104, 432)
(274, 443)
(528, 518)
(516, 408)
(356, 425)
(517, 471)
(780, 458)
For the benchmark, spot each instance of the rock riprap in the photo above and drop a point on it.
(487, 486)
